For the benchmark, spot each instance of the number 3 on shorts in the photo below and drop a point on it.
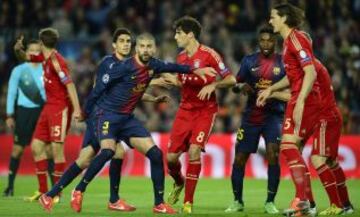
(200, 137)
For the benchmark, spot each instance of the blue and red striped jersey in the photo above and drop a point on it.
(260, 72)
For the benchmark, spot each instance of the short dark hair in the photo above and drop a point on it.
(188, 24)
(120, 31)
(49, 37)
(32, 41)
(267, 28)
(294, 16)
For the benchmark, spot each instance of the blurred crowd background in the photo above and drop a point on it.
(230, 27)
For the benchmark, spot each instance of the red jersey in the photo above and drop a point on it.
(56, 76)
(298, 53)
(192, 84)
(328, 102)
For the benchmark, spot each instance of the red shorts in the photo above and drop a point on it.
(191, 127)
(53, 124)
(327, 135)
(309, 120)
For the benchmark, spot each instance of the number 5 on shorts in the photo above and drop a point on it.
(287, 123)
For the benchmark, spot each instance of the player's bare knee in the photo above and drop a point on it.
(17, 151)
(272, 153)
(108, 144)
(241, 159)
(318, 160)
(172, 158)
(194, 152)
(120, 152)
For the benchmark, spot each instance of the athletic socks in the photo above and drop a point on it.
(70, 174)
(115, 176)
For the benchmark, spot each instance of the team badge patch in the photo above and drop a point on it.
(105, 78)
(276, 70)
(196, 64)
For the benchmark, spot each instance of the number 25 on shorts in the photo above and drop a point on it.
(240, 134)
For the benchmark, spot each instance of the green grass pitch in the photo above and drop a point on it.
(212, 197)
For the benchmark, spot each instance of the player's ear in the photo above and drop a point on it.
(113, 45)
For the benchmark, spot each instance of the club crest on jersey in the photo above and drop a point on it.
(151, 73)
(276, 70)
(196, 64)
(105, 78)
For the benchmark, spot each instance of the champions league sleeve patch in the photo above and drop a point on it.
(304, 56)
(63, 77)
(105, 78)
(223, 69)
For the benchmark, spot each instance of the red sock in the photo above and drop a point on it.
(297, 168)
(174, 170)
(341, 185)
(309, 193)
(58, 171)
(328, 180)
(41, 173)
(192, 176)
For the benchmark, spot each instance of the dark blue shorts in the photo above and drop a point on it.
(248, 135)
(89, 136)
(112, 125)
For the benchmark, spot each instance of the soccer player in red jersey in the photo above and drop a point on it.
(326, 143)
(55, 118)
(303, 109)
(198, 108)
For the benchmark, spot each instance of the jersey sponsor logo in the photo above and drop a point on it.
(139, 88)
(263, 83)
(276, 70)
(151, 73)
(105, 78)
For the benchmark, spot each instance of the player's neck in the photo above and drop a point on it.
(47, 52)
(192, 47)
(119, 56)
(285, 32)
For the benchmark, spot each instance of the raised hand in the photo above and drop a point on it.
(202, 72)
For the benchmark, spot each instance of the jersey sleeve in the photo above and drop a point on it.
(37, 57)
(241, 76)
(104, 78)
(12, 91)
(160, 66)
(301, 47)
(217, 63)
(61, 69)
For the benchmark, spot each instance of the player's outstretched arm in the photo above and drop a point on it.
(244, 88)
(207, 90)
(19, 49)
(265, 94)
(283, 95)
(151, 98)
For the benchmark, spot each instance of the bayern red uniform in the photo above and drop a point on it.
(298, 53)
(55, 118)
(195, 117)
(327, 133)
